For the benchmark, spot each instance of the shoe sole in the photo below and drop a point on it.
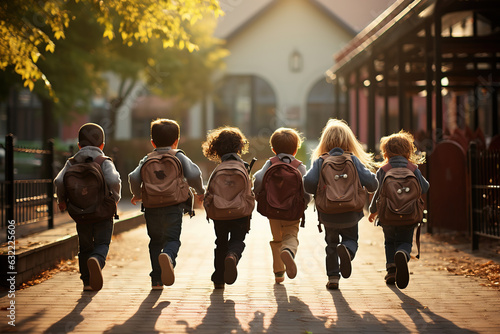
(390, 280)
(332, 286)
(290, 266)
(402, 273)
(345, 261)
(230, 271)
(96, 280)
(167, 269)
(279, 279)
(157, 287)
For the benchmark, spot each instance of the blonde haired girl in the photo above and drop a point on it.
(337, 138)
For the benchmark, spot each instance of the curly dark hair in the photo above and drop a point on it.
(224, 140)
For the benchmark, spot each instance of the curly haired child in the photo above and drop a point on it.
(398, 150)
(225, 145)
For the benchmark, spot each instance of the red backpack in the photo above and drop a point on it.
(163, 182)
(88, 196)
(229, 193)
(339, 188)
(282, 193)
(400, 201)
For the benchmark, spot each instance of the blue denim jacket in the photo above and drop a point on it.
(367, 178)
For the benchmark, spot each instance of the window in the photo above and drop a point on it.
(245, 101)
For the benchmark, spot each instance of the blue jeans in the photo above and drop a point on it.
(164, 230)
(230, 237)
(93, 241)
(332, 237)
(397, 238)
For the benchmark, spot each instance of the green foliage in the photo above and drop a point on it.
(30, 29)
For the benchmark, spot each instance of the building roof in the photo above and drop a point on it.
(346, 13)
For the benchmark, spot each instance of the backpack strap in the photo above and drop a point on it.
(417, 240)
(295, 162)
(100, 159)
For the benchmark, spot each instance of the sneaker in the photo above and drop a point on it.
(333, 283)
(345, 261)
(218, 285)
(390, 277)
(167, 269)
(230, 271)
(287, 258)
(279, 276)
(95, 272)
(402, 273)
(157, 286)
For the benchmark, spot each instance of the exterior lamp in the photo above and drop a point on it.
(295, 61)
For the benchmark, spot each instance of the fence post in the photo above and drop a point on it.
(472, 162)
(9, 177)
(50, 187)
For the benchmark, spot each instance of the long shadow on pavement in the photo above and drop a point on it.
(293, 314)
(69, 322)
(416, 310)
(144, 320)
(350, 320)
(220, 317)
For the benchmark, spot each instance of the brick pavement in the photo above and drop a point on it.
(434, 301)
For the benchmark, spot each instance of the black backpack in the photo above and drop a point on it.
(88, 198)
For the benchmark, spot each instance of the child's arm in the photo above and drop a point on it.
(302, 169)
(258, 176)
(311, 178)
(59, 184)
(373, 205)
(135, 181)
(192, 173)
(367, 178)
(112, 178)
(424, 184)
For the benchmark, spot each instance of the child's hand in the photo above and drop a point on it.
(200, 197)
(134, 200)
(372, 217)
(62, 206)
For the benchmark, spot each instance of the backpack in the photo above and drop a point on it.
(400, 201)
(339, 188)
(163, 182)
(282, 195)
(88, 197)
(229, 193)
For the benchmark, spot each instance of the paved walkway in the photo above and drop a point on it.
(434, 301)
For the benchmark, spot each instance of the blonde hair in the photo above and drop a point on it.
(337, 133)
(400, 143)
(285, 140)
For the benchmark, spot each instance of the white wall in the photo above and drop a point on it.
(263, 48)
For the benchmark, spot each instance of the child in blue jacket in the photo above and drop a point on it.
(398, 150)
(341, 230)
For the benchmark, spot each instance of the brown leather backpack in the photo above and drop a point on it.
(400, 201)
(88, 198)
(163, 182)
(229, 193)
(339, 188)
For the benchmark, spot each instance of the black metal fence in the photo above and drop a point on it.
(484, 167)
(27, 201)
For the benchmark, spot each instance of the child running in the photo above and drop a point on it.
(398, 151)
(229, 200)
(337, 139)
(282, 199)
(161, 181)
(94, 229)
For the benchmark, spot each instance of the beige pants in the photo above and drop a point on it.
(284, 236)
